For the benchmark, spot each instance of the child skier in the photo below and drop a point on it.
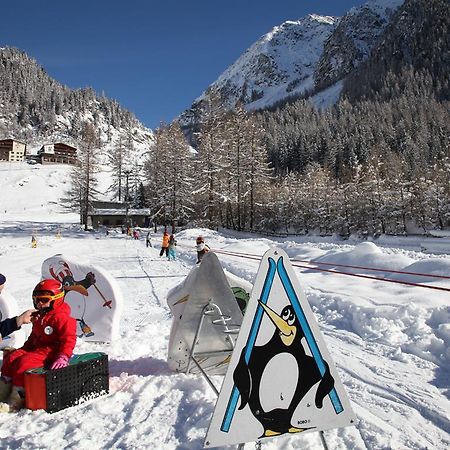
(172, 250)
(202, 248)
(50, 344)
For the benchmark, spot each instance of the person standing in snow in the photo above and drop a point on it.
(172, 250)
(49, 345)
(148, 240)
(165, 244)
(201, 247)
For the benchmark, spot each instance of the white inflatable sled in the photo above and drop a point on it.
(8, 309)
(206, 318)
(93, 294)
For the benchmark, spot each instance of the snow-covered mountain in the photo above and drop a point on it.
(281, 63)
(37, 109)
(299, 58)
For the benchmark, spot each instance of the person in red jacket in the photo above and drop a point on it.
(50, 344)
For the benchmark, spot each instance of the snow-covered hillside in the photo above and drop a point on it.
(50, 112)
(32, 192)
(390, 342)
(280, 64)
(314, 52)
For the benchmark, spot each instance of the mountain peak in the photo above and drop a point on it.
(300, 57)
(279, 64)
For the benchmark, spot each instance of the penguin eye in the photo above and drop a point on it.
(285, 315)
(291, 320)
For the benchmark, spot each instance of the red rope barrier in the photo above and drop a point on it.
(388, 280)
(317, 263)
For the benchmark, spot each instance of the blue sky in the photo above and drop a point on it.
(153, 57)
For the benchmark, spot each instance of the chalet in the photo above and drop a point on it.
(12, 150)
(57, 153)
(114, 214)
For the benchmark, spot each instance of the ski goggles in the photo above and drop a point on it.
(44, 298)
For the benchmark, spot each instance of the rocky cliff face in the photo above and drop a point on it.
(352, 40)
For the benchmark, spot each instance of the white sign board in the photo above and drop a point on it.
(281, 378)
(93, 295)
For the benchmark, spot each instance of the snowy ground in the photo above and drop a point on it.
(390, 342)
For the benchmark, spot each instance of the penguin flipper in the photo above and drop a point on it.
(325, 386)
(241, 378)
(88, 281)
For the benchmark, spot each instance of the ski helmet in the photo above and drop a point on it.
(48, 291)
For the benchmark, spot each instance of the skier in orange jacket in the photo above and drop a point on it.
(165, 244)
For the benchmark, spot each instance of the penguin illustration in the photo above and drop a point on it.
(65, 276)
(248, 377)
(62, 273)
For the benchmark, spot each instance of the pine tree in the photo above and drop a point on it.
(85, 174)
(179, 177)
(117, 161)
(209, 162)
(155, 173)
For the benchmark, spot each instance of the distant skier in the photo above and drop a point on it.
(202, 248)
(165, 244)
(148, 240)
(172, 248)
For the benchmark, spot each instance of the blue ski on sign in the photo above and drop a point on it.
(250, 341)
(290, 292)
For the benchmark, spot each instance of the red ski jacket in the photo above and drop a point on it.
(54, 331)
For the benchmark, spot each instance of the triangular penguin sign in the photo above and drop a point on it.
(281, 378)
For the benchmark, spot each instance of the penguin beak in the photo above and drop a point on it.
(77, 288)
(287, 332)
